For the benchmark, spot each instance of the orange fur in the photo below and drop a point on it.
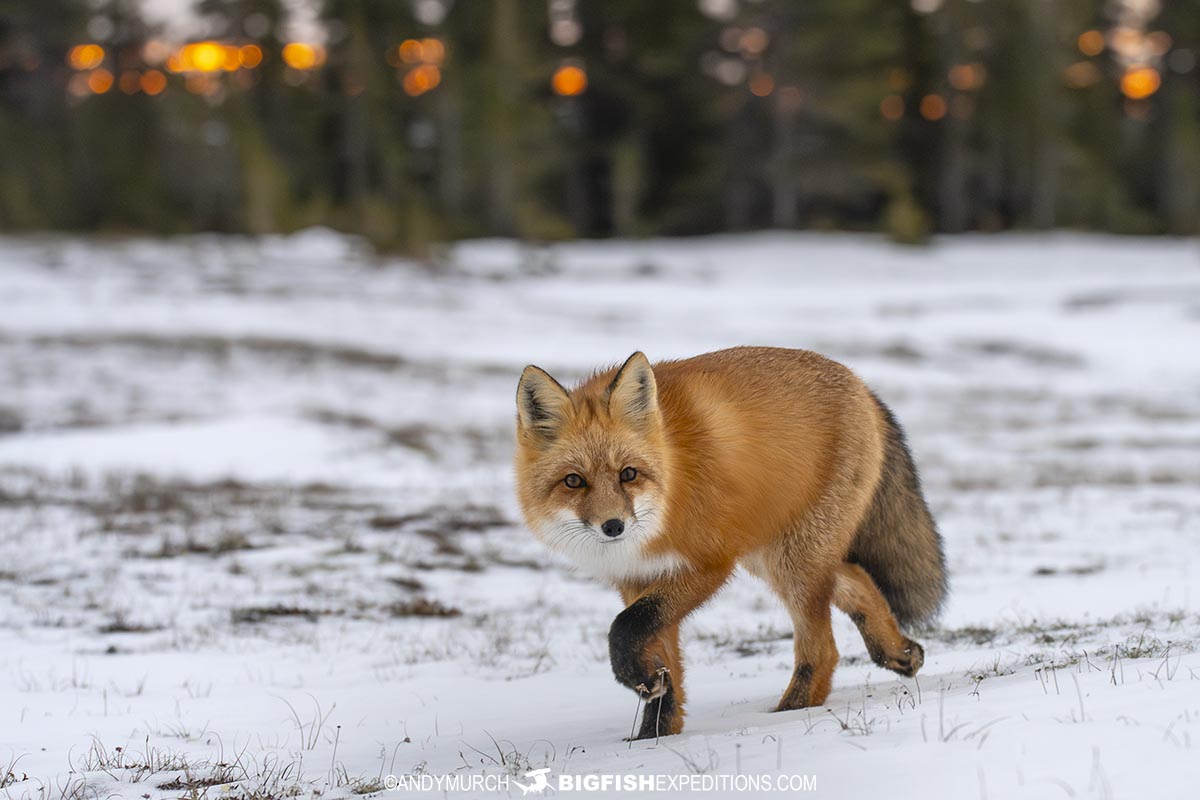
(763, 457)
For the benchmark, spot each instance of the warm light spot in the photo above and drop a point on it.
(731, 39)
(130, 82)
(898, 79)
(753, 41)
(1126, 41)
(86, 56)
(569, 81)
(1140, 82)
(1081, 75)
(960, 76)
(204, 56)
(153, 82)
(1091, 43)
(202, 84)
(433, 51)
(233, 58)
(250, 55)
(892, 107)
(421, 79)
(410, 51)
(933, 107)
(175, 63)
(762, 84)
(100, 81)
(299, 55)
(78, 85)
(967, 77)
(155, 51)
(1159, 42)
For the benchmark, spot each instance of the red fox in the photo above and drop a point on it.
(662, 479)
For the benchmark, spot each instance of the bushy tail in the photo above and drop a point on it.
(897, 542)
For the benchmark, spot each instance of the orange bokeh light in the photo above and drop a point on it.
(762, 84)
(421, 79)
(250, 56)
(130, 81)
(933, 107)
(433, 51)
(569, 81)
(410, 51)
(303, 56)
(1091, 43)
(1140, 82)
(891, 107)
(153, 82)
(85, 56)
(753, 41)
(100, 81)
(1081, 75)
(204, 56)
(966, 77)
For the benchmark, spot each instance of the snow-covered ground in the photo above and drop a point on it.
(257, 535)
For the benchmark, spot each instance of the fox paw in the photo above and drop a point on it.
(655, 686)
(907, 661)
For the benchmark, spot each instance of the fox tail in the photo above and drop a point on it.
(897, 542)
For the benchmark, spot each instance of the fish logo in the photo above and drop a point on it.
(539, 785)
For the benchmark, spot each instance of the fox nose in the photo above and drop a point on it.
(613, 528)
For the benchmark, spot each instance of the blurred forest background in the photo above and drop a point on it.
(414, 122)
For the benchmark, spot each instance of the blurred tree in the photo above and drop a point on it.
(36, 185)
(831, 65)
(415, 122)
(273, 178)
(1178, 121)
(643, 132)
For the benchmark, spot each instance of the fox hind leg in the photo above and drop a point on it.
(856, 594)
(815, 651)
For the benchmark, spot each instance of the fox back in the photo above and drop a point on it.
(700, 463)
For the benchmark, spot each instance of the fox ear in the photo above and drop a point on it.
(633, 393)
(543, 405)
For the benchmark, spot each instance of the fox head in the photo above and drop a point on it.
(591, 463)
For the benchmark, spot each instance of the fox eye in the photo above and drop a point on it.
(628, 474)
(574, 481)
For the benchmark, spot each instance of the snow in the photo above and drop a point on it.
(258, 528)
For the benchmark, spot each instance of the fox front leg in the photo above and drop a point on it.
(651, 666)
(628, 639)
(643, 646)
